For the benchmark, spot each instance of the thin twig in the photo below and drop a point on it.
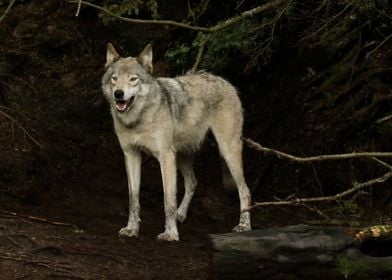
(356, 186)
(215, 28)
(382, 43)
(383, 163)
(14, 242)
(332, 18)
(35, 218)
(200, 53)
(12, 2)
(298, 201)
(79, 6)
(384, 119)
(280, 154)
(318, 211)
(212, 29)
(21, 128)
(143, 21)
(246, 14)
(63, 268)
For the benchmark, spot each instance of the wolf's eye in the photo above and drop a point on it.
(133, 79)
(114, 78)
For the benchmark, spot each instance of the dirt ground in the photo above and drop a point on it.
(76, 238)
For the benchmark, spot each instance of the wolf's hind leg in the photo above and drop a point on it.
(232, 155)
(185, 165)
(227, 132)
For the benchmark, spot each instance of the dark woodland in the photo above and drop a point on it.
(314, 78)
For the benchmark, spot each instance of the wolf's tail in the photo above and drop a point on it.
(228, 180)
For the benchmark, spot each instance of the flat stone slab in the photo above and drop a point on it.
(299, 251)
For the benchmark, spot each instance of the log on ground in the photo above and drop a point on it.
(302, 252)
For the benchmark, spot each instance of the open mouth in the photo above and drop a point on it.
(124, 105)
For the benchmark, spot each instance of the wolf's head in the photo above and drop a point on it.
(126, 80)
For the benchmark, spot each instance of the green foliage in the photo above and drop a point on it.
(181, 56)
(330, 26)
(349, 267)
(347, 209)
(250, 38)
(355, 269)
(247, 38)
(130, 8)
(226, 44)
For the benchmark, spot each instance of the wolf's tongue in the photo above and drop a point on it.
(121, 106)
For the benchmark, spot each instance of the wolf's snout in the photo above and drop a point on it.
(119, 94)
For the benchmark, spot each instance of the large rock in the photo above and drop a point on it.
(301, 252)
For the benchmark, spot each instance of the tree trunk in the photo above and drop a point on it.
(302, 252)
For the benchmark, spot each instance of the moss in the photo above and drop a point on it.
(349, 267)
(361, 269)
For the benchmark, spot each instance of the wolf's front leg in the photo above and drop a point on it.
(167, 161)
(133, 167)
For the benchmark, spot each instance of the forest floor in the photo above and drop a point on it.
(76, 238)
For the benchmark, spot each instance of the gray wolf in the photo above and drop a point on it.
(169, 118)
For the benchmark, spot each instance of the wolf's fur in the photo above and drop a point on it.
(169, 118)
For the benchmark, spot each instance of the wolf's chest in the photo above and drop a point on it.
(143, 141)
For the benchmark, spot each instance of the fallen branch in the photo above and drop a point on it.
(64, 268)
(356, 186)
(34, 218)
(298, 201)
(208, 30)
(384, 119)
(142, 21)
(246, 14)
(279, 154)
(379, 45)
(215, 28)
(12, 2)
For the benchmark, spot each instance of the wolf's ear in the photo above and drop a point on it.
(111, 55)
(145, 58)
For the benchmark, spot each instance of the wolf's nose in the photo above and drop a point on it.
(119, 94)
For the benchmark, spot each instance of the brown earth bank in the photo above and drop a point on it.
(63, 193)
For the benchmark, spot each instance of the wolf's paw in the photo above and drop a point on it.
(242, 227)
(130, 232)
(168, 236)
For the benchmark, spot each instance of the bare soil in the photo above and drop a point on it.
(75, 237)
